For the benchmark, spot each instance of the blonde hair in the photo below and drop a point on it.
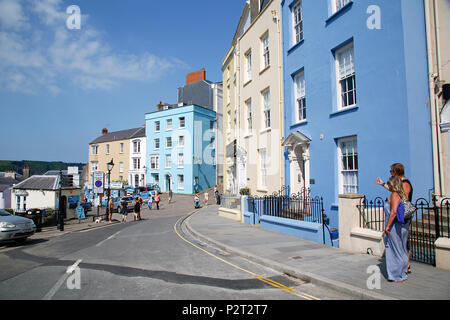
(396, 185)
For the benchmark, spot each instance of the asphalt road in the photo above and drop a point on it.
(152, 259)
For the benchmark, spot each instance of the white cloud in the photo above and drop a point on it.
(49, 54)
(12, 16)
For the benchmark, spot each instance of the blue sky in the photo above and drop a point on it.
(60, 87)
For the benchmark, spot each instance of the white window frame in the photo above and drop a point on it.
(121, 148)
(154, 162)
(94, 166)
(265, 51)
(182, 122)
(169, 124)
(168, 161)
(345, 74)
(339, 4)
(235, 123)
(169, 139)
(107, 149)
(297, 22)
(249, 120)
(157, 126)
(137, 146)
(121, 167)
(181, 141)
(300, 97)
(157, 144)
(181, 182)
(262, 168)
(265, 106)
(181, 160)
(94, 150)
(348, 165)
(136, 163)
(248, 66)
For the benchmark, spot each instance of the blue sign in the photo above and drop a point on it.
(98, 184)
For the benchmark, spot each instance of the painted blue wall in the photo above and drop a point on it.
(391, 117)
(197, 119)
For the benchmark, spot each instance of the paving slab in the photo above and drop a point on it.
(320, 264)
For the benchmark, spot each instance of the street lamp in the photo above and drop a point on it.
(110, 166)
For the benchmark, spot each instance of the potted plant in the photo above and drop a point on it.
(245, 191)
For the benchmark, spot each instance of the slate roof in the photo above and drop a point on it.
(9, 181)
(4, 187)
(39, 183)
(121, 135)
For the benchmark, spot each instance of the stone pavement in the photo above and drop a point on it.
(322, 265)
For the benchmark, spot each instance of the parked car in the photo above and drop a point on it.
(154, 187)
(130, 205)
(15, 228)
(116, 203)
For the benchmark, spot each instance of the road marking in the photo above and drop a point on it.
(256, 276)
(61, 280)
(96, 228)
(109, 238)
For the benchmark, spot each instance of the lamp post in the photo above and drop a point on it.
(110, 166)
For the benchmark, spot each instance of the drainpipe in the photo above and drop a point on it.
(433, 80)
(280, 86)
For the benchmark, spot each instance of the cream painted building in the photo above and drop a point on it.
(115, 146)
(437, 16)
(253, 113)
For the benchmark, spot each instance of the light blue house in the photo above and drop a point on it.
(355, 97)
(181, 148)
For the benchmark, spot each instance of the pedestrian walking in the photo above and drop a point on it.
(124, 207)
(216, 194)
(137, 210)
(170, 196)
(396, 232)
(150, 201)
(206, 198)
(110, 209)
(398, 170)
(197, 202)
(157, 199)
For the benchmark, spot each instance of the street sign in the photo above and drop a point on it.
(98, 182)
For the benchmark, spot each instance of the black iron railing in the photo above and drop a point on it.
(296, 207)
(429, 222)
(371, 214)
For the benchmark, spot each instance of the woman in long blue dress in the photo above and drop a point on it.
(396, 233)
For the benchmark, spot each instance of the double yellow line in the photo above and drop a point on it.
(256, 276)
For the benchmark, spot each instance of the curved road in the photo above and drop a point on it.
(150, 259)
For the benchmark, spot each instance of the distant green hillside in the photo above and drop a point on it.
(36, 167)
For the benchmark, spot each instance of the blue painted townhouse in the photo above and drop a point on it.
(181, 148)
(355, 97)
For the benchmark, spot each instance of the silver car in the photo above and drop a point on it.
(15, 227)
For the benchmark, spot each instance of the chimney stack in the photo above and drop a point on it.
(104, 131)
(26, 172)
(196, 76)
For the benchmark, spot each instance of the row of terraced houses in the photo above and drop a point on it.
(317, 95)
